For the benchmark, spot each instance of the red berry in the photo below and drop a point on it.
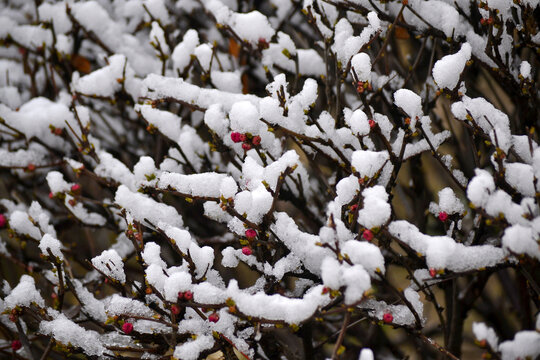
(180, 295)
(246, 250)
(214, 317)
(360, 87)
(432, 272)
(246, 146)
(256, 140)
(388, 318)
(368, 235)
(51, 195)
(3, 221)
(250, 233)
(127, 327)
(31, 167)
(243, 137)
(188, 295)
(325, 290)
(175, 310)
(16, 345)
(372, 123)
(263, 44)
(443, 216)
(75, 187)
(235, 137)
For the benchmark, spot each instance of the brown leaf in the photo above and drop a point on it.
(81, 64)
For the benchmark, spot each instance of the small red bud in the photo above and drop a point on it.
(51, 195)
(256, 140)
(175, 310)
(75, 187)
(58, 131)
(214, 317)
(246, 146)
(325, 290)
(3, 221)
(188, 295)
(388, 318)
(235, 137)
(368, 235)
(432, 272)
(127, 327)
(16, 345)
(180, 295)
(372, 123)
(353, 208)
(246, 250)
(443, 216)
(12, 317)
(250, 233)
(72, 202)
(31, 167)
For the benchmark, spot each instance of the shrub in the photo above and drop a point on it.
(269, 179)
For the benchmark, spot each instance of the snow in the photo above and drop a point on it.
(442, 252)
(492, 121)
(526, 344)
(447, 70)
(24, 294)
(368, 163)
(50, 243)
(358, 122)
(361, 65)
(67, 332)
(410, 102)
(110, 264)
(448, 203)
(525, 69)
(483, 332)
(145, 209)
(250, 27)
(376, 210)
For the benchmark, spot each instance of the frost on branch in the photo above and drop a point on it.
(269, 179)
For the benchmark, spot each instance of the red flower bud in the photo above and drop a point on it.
(372, 123)
(51, 195)
(31, 167)
(250, 233)
(246, 146)
(235, 137)
(214, 317)
(188, 295)
(75, 187)
(127, 327)
(368, 235)
(353, 208)
(16, 345)
(175, 310)
(432, 272)
(246, 250)
(256, 140)
(388, 318)
(3, 221)
(180, 295)
(443, 216)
